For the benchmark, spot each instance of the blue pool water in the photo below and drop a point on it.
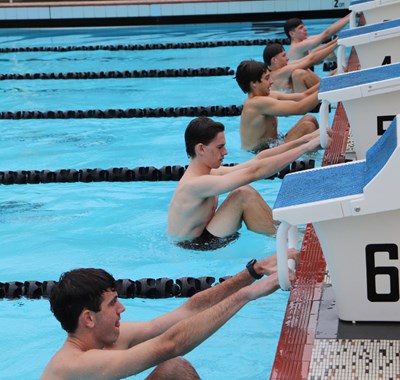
(50, 228)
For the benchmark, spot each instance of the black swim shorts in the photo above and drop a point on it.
(268, 143)
(207, 242)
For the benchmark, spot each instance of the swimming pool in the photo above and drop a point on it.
(49, 228)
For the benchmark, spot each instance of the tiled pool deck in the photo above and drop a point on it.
(314, 344)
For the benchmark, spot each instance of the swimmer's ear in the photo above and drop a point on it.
(199, 149)
(87, 318)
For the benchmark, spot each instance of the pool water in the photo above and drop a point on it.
(47, 229)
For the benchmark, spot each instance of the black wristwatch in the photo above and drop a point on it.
(250, 268)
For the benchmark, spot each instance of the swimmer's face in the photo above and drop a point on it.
(215, 151)
(107, 320)
(281, 59)
(265, 83)
(300, 32)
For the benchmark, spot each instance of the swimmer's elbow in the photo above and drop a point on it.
(171, 344)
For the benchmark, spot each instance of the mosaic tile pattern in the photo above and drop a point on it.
(355, 360)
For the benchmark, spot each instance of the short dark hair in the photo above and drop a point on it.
(291, 24)
(270, 51)
(249, 71)
(76, 290)
(201, 130)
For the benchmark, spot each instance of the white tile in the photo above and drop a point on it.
(315, 4)
(77, 12)
(100, 11)
(8, 14)
(60, 12)
(211, 8)
(234, 7)
(259, 6)
(122, 10)
(88, 12)
(35, 13)
(167, 9)
(246, 6)
(111, 11)
(144, 10)
(22, 13)
(199, 9)
(132, 11)
(155, 10)
(177, 9)
(188, 9)
(269, 6)
(222, 8)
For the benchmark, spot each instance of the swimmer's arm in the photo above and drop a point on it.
(296, 96)
(133, 333)
(280, 105)
(313, 41)
(315, 57)
(178, 340)
(286, 146)
(252, 170)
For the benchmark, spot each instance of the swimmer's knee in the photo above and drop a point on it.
(298, 74)
(244, 192)
(310, 123)
(311, 119)
(174, 369)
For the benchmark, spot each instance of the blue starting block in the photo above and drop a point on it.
(376, 44)
(355, 211)
(371, 99)
(374, 10)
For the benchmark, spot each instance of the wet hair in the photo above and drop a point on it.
(201, 130)
(77, 290)
(291, 24)
(249, 71)
(271, 51)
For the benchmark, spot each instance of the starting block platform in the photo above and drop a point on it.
(371, 99)
(374, 11)
(355, 211)
(375, 44)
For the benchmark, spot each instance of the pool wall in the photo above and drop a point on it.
(22, 13)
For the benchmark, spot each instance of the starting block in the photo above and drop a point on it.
(371, 98)
(374, 11)
(355, 211)
(375, 44)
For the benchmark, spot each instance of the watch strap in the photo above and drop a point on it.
(250, 268)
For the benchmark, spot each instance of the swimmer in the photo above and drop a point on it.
(294, 76)
(259, 118)
(194, 217)
(301, 44)
(100, 346)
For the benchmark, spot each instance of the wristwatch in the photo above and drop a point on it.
(250, 268)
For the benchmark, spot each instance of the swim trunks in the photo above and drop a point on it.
(268, 143)
(207, 242)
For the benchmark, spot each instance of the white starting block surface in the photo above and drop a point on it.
(374, 10)
(355, 210)
(376, 44)
(371, 98)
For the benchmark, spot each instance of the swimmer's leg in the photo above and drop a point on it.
(307, 124)
(174, 369)
(243, 204)
(303, 80)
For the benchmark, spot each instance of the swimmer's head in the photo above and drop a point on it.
(249, 71)
(201, 130)
(292, 24)
(270, 52)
